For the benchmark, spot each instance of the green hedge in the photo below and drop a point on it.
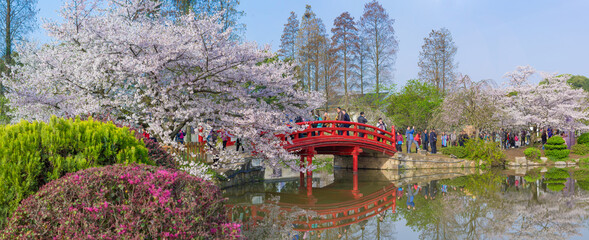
(583, 139)
(459, 152)
(555, 149)
(532, 154)
(33, 154)
(580, 149)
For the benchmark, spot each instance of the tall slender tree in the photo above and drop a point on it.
(360, 64)
(436, 59)
(289, 37)
(330, 72)
(345, 43)
(310, 40)
(18, 19)
(230, 13)
(377, 29)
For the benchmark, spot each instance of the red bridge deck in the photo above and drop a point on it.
(339, 138)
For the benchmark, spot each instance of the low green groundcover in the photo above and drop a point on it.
(35, 153)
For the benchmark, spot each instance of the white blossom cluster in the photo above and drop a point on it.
(196, 169)
(130, 60)
(552, 102)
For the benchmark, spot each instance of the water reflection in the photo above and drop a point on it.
(432, 204)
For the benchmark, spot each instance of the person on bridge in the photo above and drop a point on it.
(315, 125)
(425, 139)
(346, 119)
(409, 134)
(363, 120)
(326, 118)
(339, 117)
(433, 139)
(382, 126)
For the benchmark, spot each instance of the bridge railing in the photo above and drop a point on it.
(344, 129)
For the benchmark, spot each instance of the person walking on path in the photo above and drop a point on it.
(382, 126)
(544, 138)
(399, 142)
(409, 134)
(433, 139)
(417, 140)
(225, 136)
(444, 139)
(425, 139)
(363, 120)
(453, 139)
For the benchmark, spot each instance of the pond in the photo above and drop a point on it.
(417, 204)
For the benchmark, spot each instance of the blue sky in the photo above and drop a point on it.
(493, 37)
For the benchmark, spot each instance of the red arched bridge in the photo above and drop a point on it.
(339, 138)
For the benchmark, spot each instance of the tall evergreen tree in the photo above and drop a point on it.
(330, 72)
(289, 37)
(377, 29)
(229, 18)
(310, 40)
(344, 42)
(18, 19)
(436, 59)
(361, 64)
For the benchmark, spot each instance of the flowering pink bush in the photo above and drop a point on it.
(123, 202)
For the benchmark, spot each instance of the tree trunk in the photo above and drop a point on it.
(7, 39)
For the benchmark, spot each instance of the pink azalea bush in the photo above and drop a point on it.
(123, 202)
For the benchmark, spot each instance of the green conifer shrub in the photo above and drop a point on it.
(35, 153)
(555, 149)
(532, 154)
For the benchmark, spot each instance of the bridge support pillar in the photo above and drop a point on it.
(302, 174)
(355, 154)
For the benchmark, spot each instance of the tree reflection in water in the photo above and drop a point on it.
(496, 204)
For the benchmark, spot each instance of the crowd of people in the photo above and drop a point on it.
(424, 139)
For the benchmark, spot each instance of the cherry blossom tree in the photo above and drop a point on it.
(470, 103)
(553, 102)
(129, 60)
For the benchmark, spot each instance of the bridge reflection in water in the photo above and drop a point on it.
(347, 199)
(353, 207)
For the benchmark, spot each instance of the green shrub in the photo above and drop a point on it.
(488, 152)
(33, 154)
(555, 140)
(583, 139)
(580, 149)
(532, 154)
(584, 160)
(555, 149)
(459, 152)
